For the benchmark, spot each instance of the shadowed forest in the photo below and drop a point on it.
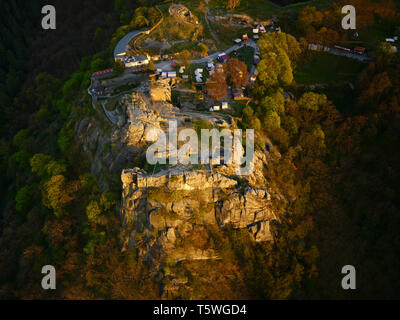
(339, 161)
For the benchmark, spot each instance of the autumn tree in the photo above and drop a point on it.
(185, 56)
(236, 72)
(309, 17)
(232, 4)
(217, 88)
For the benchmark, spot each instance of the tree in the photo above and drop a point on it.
(119, 67)
(56, 194)
(385, 50)
(273, 102)
(377, 87)
(218, 87)
(312, 101)
(139, 19)
(232, 4)
(24, 198)
(20, 138)
(97, 64)
(93, 212)
(236, 72)
(309, 16)
(274, 70)
(39, 163)
(271, 120)
(276, 42)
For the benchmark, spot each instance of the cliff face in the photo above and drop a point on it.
(171, 215)
(172, 218)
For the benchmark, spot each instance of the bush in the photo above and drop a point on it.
(162, 195)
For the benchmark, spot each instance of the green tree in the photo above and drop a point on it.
(24, 198)
(312, 101)
(271, 120)
(274, 70)
(57, 194)
(97, 64)
(93, 212)
(39, 163)
(119, 67)
(275, 42)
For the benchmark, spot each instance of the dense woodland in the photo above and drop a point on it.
(339, 170)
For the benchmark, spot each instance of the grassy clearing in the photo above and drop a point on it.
(265, 9)
(226, 34)
(328, 69)
(173, 30)
(245, 54)
(193, 47)
(377, 33)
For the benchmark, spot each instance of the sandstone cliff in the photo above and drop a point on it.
(169, 215)
(171, 218)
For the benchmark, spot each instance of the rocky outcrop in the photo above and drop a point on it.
(160, 90)
(175, 206)
(182, 13)
(170, 217)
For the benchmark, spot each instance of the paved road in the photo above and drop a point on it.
(350, 55)
(122, 45)
(167, 65)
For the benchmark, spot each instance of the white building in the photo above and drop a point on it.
(172, 74)
(215, 108)
(198, 72)
(135, 61)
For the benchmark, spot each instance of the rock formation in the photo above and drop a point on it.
(177, 205)
(169, 217)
